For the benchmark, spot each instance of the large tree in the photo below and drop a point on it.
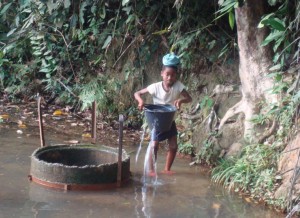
(255, 61)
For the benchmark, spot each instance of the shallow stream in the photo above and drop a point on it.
(188, 193)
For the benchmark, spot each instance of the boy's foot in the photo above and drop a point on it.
(152, 174)
(168, 172)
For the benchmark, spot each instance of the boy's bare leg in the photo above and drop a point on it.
(151, 163)
(171, 154)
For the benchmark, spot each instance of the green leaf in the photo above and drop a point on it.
(127, 9)
(272, 2)
(107, 42)
(11, 31)
(296, 97)
(272, 36)
(51, 6)
(260, 25)
(226, 7)
(211, 44)
(94, 9)
(124, 2)
(231, 19)
(276, 67)
(102, 12)
(81, 12)
(67, 3)
(37, 53)
(130, 18)
(45, 70)
(161, 32)
(278, 42)
(275, 23)
(5, 8)
(73, 20)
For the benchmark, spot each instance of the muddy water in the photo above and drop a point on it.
(188, 193)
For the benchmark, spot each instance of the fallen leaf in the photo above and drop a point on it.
(248, 200)
(86, 135)
(216, 206)
(58, 113)
(22, 126)
(4, 116)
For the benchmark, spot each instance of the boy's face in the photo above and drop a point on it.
(168, 75)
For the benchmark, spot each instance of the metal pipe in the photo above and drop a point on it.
(94, 123)
(119, 176)
(40, 118)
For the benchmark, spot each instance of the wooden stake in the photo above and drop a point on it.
(119, 177)
(40, 118)
(94, 123)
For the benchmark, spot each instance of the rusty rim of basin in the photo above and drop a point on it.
(78, 167)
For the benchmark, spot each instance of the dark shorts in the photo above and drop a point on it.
(161, 136)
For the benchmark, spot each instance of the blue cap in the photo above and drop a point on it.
(171, 60)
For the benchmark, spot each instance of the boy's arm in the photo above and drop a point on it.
(186, 99)
(137, 96)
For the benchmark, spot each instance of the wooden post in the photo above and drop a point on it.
(40, 118)
(94, 122)
(119, 177)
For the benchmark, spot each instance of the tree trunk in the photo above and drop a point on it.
(255, 61)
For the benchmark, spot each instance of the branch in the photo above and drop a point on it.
(124, 52)
(67, 46)
(68, 89)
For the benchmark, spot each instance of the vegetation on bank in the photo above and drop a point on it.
(255, 170)
(79, 52)
(84, 51)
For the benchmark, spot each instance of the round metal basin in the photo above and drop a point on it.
(80, 167)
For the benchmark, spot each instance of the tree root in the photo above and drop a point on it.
(268, 133)
(191, 117)
(221, 89)
(237, 108)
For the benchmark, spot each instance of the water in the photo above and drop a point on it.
(188, 193)
(140, 145)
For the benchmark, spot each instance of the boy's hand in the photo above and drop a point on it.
(139, 99)
(177, 103)
(141, 106)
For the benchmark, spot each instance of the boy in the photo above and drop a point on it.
(168, 91)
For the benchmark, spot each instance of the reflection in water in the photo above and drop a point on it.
(148, 195)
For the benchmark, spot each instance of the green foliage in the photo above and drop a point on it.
(206, 105)
(208, 153)
(206, 102)
(283, 37)
(67, 47)
(134, 118)
(186, 148)
(253, 172)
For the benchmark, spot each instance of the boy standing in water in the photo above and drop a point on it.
(168, 91)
